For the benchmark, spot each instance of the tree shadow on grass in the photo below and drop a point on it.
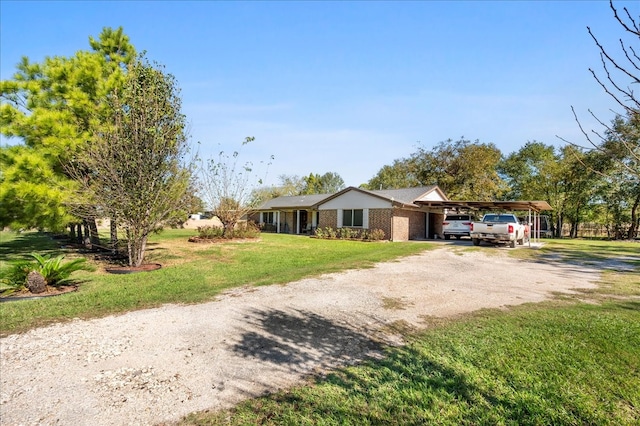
(23, 245)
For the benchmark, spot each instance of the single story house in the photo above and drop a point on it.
(395, 211)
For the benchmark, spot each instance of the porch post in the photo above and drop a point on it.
(297, 221)
(278, 222)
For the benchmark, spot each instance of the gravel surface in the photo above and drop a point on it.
(154, 366)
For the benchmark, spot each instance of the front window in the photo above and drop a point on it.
(352, 217)
(267, 217)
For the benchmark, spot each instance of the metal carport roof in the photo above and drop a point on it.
(536, 206)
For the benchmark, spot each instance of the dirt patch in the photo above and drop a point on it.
(157, 365)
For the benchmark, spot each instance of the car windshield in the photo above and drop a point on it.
(458, 217)
(498, 218)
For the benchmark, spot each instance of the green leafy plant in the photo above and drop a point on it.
(210, 232)
(54, 271)
(14, 277)
(241, 230)
(376, 235)
(246, 230)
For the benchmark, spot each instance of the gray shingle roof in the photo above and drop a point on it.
(404, 195)
(296, 201)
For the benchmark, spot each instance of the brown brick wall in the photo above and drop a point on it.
(409, 225)
(381, 219)
(328, 219)
(417, 225)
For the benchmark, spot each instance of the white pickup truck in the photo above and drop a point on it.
(499, 228)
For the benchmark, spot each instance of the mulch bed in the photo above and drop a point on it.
(147, 267)
(49, 292)
(220, 240)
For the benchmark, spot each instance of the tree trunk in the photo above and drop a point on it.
(228, 228)
(136, 244)
(574, 230)
(86, 240)
(93, 231)
(114, 235)
(75, 232)
(633, 229)
(36, 283)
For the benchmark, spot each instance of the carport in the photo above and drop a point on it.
(533, 209)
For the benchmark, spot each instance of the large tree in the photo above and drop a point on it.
(616, 145)
(464, 170)
(54, 108)
(134, 170)
(327, 183)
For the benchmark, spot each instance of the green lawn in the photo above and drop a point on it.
(571, 361)
(551, 364)
(564, 362)
(191, 272)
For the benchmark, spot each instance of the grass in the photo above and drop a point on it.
(533, 365)
(570, 361)
(191, 273)
(563, 362)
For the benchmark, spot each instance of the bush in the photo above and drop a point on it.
(376, 235)
(14, 277)
(350, 234)
(246, 230)
(210, 232)
(54, 271)
(242, 230)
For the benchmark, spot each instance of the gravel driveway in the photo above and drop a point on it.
(156, 365)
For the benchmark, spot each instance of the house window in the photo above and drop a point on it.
(267, 217)
(352, 217)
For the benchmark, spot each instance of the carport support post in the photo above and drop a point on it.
(529, 221)
(298, 221)
(278, 222)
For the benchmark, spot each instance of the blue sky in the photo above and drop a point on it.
(348, 87)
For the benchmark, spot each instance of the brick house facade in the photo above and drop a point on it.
(395, 212)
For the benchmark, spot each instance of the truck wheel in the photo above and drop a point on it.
(447, 236)
(512, 243)
(521, 242)
(476, 241)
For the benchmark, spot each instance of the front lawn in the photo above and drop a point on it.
(191, 272)
(549, 364)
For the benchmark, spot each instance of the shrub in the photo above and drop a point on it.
(210, 232)
(246, 230)
(242, 230)
(376, 234)
(350, 234)
(331, 233)
(54, 271)
(14, 277)
(345, 233)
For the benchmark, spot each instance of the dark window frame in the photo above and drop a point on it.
(353, 218)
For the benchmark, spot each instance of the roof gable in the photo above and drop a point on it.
(404, 196)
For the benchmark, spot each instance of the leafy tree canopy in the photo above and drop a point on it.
(54, 108)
